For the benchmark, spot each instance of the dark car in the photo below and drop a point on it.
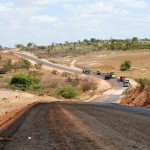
(107, 77)
(87, 71)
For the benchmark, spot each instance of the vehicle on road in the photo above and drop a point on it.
(122, 78)
(86, 71)
(112, 75)
(107, 77)
(126, 83)
(98, 72)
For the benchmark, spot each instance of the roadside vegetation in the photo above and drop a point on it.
(20, 74)
(83, 47)
(67, 91)
(143, 81)
(107, 55)
(125, 65)
(23, 82)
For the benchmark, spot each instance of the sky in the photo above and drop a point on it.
(45, 21)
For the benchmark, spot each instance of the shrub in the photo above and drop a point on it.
(8, 67)
(26, 64)
(143, 81)
(67, 91)
(87, 85)
(23, 82)
(17, 65)
(3, 70)
(54, 71)
(38, 65)
(125, 65)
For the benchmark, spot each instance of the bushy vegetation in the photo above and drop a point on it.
(143, 81)
(87, 85)
(26, 64)
(125, 65)
(38, 65)
(3, 70)
(85, 46)
(8, 65)
(67, 91)
(24, 82)
(54, 71)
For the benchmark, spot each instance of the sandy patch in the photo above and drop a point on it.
(13, 102)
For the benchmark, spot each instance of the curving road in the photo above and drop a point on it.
(80, 126)
(45, 63)
(110, 96)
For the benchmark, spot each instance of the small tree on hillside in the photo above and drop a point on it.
(125, 65)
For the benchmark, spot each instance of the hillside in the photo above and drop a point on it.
(137, 97)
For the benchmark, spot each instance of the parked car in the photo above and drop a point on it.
(107, 77)
(86, 71)
(98, 72)
(126, 83)
(112, 75)
(122, 78)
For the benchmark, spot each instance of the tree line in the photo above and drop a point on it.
(92, 44)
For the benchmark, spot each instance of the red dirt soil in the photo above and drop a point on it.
(137, 97)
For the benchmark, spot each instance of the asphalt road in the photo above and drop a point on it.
(45, 63)
(77, 126)
(80, 126)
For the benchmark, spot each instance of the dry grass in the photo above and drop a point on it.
(108, 61)
(85, 85)
(88, 85)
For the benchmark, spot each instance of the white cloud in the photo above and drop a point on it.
(130, 3)
(110, 16)
(45, 19)
(6, 8)
(74, 19)
(46, 2)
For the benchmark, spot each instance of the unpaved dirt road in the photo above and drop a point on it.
(74, 126)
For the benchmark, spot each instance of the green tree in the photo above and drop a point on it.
(125, 65)
(134, 39)
(29, 45)
(20, 46)
(93, 40)
(86, 41)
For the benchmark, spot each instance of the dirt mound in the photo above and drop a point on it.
(139, 96)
